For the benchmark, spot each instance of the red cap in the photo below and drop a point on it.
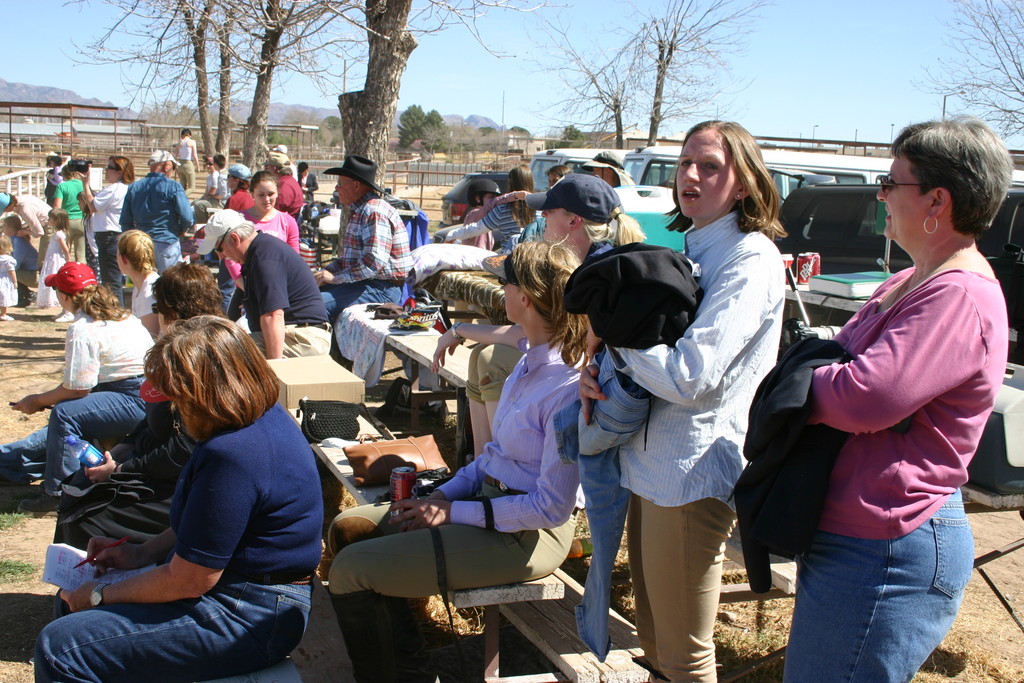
(72, 278)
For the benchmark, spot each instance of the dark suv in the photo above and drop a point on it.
(455, 202)
(844, 223)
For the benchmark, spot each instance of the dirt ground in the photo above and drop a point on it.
(984, 645)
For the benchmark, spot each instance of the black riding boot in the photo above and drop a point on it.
(365, 621)
(414, 663)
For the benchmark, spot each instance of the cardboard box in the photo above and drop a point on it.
(316, 377)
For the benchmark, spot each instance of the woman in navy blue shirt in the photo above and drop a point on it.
(233, 594)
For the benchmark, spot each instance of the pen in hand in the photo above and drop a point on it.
(93, 558)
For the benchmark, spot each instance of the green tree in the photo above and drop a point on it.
(518, 130)
(435, 132)
(572, 134)
(415, 125)
(411, 125)
(487, 131)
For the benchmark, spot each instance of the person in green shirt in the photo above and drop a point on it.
(66, 197)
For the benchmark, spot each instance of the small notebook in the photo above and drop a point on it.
(60, 571)
(849, 285)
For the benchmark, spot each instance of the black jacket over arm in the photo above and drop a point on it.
(780, 493)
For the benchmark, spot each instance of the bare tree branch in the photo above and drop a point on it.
(986, 66)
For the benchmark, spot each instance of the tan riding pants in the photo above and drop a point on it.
(675, 561)
(403, 564)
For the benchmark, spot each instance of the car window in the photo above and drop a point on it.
(826, 220)
(539, 169)
(659, 172)
(634, 167)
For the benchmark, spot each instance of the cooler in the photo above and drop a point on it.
(649, 204)
(999, 463)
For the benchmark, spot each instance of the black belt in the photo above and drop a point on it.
(294, 578)
(501, 486)
(323, 326)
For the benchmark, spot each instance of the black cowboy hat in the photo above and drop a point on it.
(360, 168)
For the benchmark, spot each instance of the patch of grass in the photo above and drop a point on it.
(11, 519)
(12, 570)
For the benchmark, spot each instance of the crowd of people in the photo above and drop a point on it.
(178, 377)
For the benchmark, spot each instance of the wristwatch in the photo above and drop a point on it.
(455, 332)
(96, 596)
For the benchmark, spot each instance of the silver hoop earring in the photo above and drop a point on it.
(925, 226)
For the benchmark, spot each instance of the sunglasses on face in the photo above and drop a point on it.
(111, 167)
(220, 243)
(888, 184)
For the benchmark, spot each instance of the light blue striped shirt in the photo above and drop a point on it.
(704, 384)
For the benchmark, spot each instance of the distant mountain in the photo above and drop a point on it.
(473, 121)
(279, 113)
(23, 92)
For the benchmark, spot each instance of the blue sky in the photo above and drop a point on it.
(853, 69)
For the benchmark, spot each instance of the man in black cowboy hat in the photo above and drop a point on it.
(373, 258)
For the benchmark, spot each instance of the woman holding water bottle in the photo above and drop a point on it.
(99, 396)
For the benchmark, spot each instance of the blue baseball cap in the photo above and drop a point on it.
(587, 196)
(240, 171)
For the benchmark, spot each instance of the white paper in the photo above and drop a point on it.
(60, 571)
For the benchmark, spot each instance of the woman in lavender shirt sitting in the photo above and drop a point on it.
(886, 572)
(505, 517)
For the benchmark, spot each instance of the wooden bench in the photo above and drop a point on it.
(551, 627)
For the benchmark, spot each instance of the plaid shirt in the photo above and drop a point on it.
(375, 245)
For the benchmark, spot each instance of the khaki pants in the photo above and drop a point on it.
(675, 561)
(489, 367)
(187, 175)
(403, 565)
(76, 240)
(300, 341)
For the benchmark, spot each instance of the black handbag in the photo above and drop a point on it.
(328, 419)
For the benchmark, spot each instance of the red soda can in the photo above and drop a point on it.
(787, 261)
(808, 264)
(402, 481)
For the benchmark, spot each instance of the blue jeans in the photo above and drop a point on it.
(24, 460)
(614, 421)
(110, 274)
(166, 254)
(113, 409)
(342, 295)
(873, 610)
(227, 288)
(235, 628)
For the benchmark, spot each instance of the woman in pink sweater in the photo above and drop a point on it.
(885, 575)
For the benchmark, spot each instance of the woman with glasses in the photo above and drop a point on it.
(504, 518)
(105, 206)
(886, 572)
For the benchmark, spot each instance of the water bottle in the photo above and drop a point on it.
(86, 453)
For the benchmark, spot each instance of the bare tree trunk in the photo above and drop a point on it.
(256, 127)
(367, 114)
(197, 26)
(666, 52)
(620, 141)
(224, 103)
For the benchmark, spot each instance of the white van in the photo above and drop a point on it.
(654, 165)
(657, 166)
(573, 157)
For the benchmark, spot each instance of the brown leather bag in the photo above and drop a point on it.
(372, 462)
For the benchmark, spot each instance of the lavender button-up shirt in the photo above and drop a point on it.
(523, 454)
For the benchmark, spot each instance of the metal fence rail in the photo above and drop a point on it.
(31, 181)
